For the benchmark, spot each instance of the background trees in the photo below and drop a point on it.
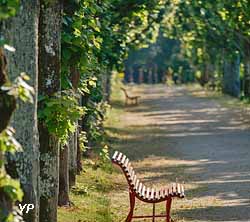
(67, 84)
(214, 37)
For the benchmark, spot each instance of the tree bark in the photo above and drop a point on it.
(231, 76)
(63, 197)
(49, 84)
(79, 156)
(72, 159)
(7, 107)
(22, 33)
(205, 75)
(246, 61)
(75, 78)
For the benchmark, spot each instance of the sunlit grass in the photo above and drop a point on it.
(90, 197)
(226, 100)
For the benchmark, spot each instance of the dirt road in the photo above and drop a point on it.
(173, 135)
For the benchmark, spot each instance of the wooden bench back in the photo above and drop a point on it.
(145, 193)
(125, 92)
(123, 162)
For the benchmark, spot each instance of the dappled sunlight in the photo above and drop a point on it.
(172, 136)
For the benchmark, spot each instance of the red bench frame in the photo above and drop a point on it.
(146, 194)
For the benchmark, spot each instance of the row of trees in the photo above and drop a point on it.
(215, 37)
(68, 49)
(161, 58)
(209, 38)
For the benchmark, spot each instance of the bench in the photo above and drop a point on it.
(146, 194)
(133, 99)
(212, 84)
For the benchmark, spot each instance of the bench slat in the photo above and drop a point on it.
(130, 170)
(174, 188)
(152, 194)
(131, 175)
(179, 188)
(126, 163)
(119, 157)
(162, 193)
(123, 159)
(115, 155)
(137, 184)
(143, 191)
(128, 167)
(140, 188)
(134, 180)
(148, 192)
(166, 192)
(182, 190)
(157, 194)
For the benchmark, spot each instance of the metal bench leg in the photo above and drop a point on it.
(132, 205)
(153, 218)
(168, 208)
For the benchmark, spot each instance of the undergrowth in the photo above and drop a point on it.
(90, 197)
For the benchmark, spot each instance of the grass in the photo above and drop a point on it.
(225, 100)
(91, 195)
(90, 200)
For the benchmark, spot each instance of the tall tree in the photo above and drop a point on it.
(49, 86)
(231, 76)
(7, 107)
(21, 32)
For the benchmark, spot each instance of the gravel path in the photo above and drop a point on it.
(202, 142)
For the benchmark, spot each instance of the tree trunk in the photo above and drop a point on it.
(63, 197)
(21, 31)
(140, 78)
(75, 79)
(49, 84)
(205, 75)
(7, 107)
(231, 76)
(246, 61)
(79, 156)
(72, 159)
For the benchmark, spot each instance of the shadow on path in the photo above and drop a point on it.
(172, 134)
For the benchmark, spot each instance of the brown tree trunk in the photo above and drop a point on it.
(21, 32)
(231, 76)
(246, 61)
(63, 197)
(79, 156)
(7, 107)
(49, 84)
(205, 75)
(72, 159)
(140, 78)
(75, 78)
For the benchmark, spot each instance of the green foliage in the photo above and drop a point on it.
(79, 189)
(11, 187)
(83, 140)
(8, 143)
(104, 154)
(95, 39)
(8, 8)
(60, 114)
(20, 90)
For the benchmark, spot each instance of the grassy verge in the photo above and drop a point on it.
(225, 100)
(90, 197)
